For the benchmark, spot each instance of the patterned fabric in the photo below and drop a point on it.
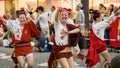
(72, 39)
(29, 31)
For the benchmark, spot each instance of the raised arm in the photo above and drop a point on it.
(29, 9)
(57, 14)
(115, 11)
(74, 31)
(32, 16)
(108, 20)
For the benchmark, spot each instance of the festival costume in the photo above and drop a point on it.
(97, 43)
(96, 46)
(21, 40)
(55, 53)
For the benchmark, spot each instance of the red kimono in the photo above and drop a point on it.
(23, 46)
(96, 46)
(72, 39)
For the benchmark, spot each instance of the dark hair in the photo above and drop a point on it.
(112, 8)
(19, 12)
(112, 5)
(53, 7)
(39, 8)
(96, 14)
(101, 5)
(115, 62)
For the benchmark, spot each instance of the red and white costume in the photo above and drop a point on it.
(62, 41)
(97, 43)
(22, 37)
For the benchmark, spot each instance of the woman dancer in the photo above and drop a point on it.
(23, 31)
(97, 44)
(66, 35)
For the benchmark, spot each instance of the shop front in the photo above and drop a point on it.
(12, 5)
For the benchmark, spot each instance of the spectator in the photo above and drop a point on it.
(52, 19)
(80, 22)
(61, 50)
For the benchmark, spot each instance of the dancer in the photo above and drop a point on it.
(97, 44)
(66, 35)
(23, 31)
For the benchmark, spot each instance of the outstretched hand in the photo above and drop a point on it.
(117, 9)
(29, 8)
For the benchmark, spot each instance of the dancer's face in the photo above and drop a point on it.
(22, 18)
(63, 16)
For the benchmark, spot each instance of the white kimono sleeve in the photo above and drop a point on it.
(15, 28)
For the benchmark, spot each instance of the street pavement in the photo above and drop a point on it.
(40, 59)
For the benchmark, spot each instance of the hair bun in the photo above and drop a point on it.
(96, 12)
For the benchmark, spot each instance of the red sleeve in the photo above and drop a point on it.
(73, 38)
(71, 27)
(34, 30)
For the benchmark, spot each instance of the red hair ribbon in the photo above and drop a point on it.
(64, 9)
(21, 11)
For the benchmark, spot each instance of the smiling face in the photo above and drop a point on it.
(63, 16)
(22, 18)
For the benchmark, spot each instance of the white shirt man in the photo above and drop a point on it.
(51, 16)
(43, 20)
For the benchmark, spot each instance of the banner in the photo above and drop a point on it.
(111, 1)
(95, 3)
